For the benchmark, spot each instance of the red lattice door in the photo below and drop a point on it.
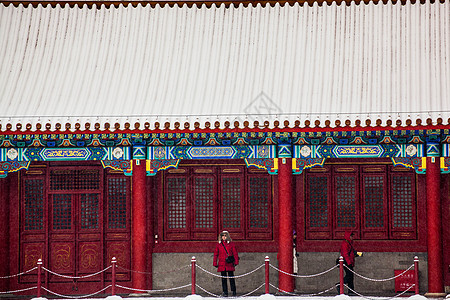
(232, 193)
(318, 203)
(374, 205)
(75, 225)
(346, 201)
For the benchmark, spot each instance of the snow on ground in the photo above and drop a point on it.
(262, 297)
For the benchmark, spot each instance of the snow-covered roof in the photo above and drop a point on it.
(68, 66)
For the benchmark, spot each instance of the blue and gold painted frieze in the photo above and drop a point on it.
(12, 154)
(358, 151)
(212, 152)
(124, 166)
(224, 138)
(12, 166)
(71, 154)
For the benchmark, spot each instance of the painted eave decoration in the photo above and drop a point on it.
(255, 82)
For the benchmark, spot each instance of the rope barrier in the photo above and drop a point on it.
(18, 291)
(215, 295)
(303, 295)
(76, 277)
(235, 276)
(19, 274)
(380, 280)
(193, 284)
(153, 273)
(208, 292)
(396, 296)
(76, 297)
(305, 276)
(153, 291)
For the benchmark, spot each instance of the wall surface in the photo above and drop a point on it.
(376, 265)
(173, 270)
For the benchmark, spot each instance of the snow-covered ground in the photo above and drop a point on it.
(262, 297)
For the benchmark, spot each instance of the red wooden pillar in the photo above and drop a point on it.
(4, 232)
(285, 262)
(434, 233)
(138, 224)
(150, 232)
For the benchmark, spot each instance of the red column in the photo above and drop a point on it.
(4, 232)
(434, 234)
(285, 260)
(138, 224)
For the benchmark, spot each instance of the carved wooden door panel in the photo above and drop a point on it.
(75, 235)
(76, 219)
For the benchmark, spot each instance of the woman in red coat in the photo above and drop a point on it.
(224, 249)
(348, 253)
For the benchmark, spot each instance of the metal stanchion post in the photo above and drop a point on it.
(341, 275)
(39, 277)
(193, 275)
(267, 260)
(416, 275)
(113, 278)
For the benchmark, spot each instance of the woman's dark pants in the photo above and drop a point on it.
(224, 282)
(348, 278)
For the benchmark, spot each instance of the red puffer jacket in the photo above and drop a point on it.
(347, 250)
(220, 255)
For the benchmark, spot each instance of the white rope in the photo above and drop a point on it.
(304, 276)
(385, 279)
(19, 274)
(76, 297)
(303, 295)
(245, 295)
(17, 291)
(208, 292)
(153, 273)
(398, 295)
(153, 291)
(76, 277)
(235, 276)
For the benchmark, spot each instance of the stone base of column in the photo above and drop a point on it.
(435, 295)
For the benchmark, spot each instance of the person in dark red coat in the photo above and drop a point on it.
(224, 249)
(348, 253)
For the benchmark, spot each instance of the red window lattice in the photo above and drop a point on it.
(318, 201)
(204, 202)
(74, 180)
(89, 211)
(346, 201)
(117, 203)
(259, 202)
(176, 202)
(231, 202)
(374, 201)
(402, 202)
(34, 204)
(62, 211)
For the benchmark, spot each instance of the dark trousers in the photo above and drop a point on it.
(224, 281)
(348, 278)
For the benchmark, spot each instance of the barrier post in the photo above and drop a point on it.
(416, 275)
(113, 277)
(341, 275)
(193, 275)
(39, 277)
(267, 260)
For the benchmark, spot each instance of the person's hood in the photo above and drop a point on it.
(347, 235)
(227, 235)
